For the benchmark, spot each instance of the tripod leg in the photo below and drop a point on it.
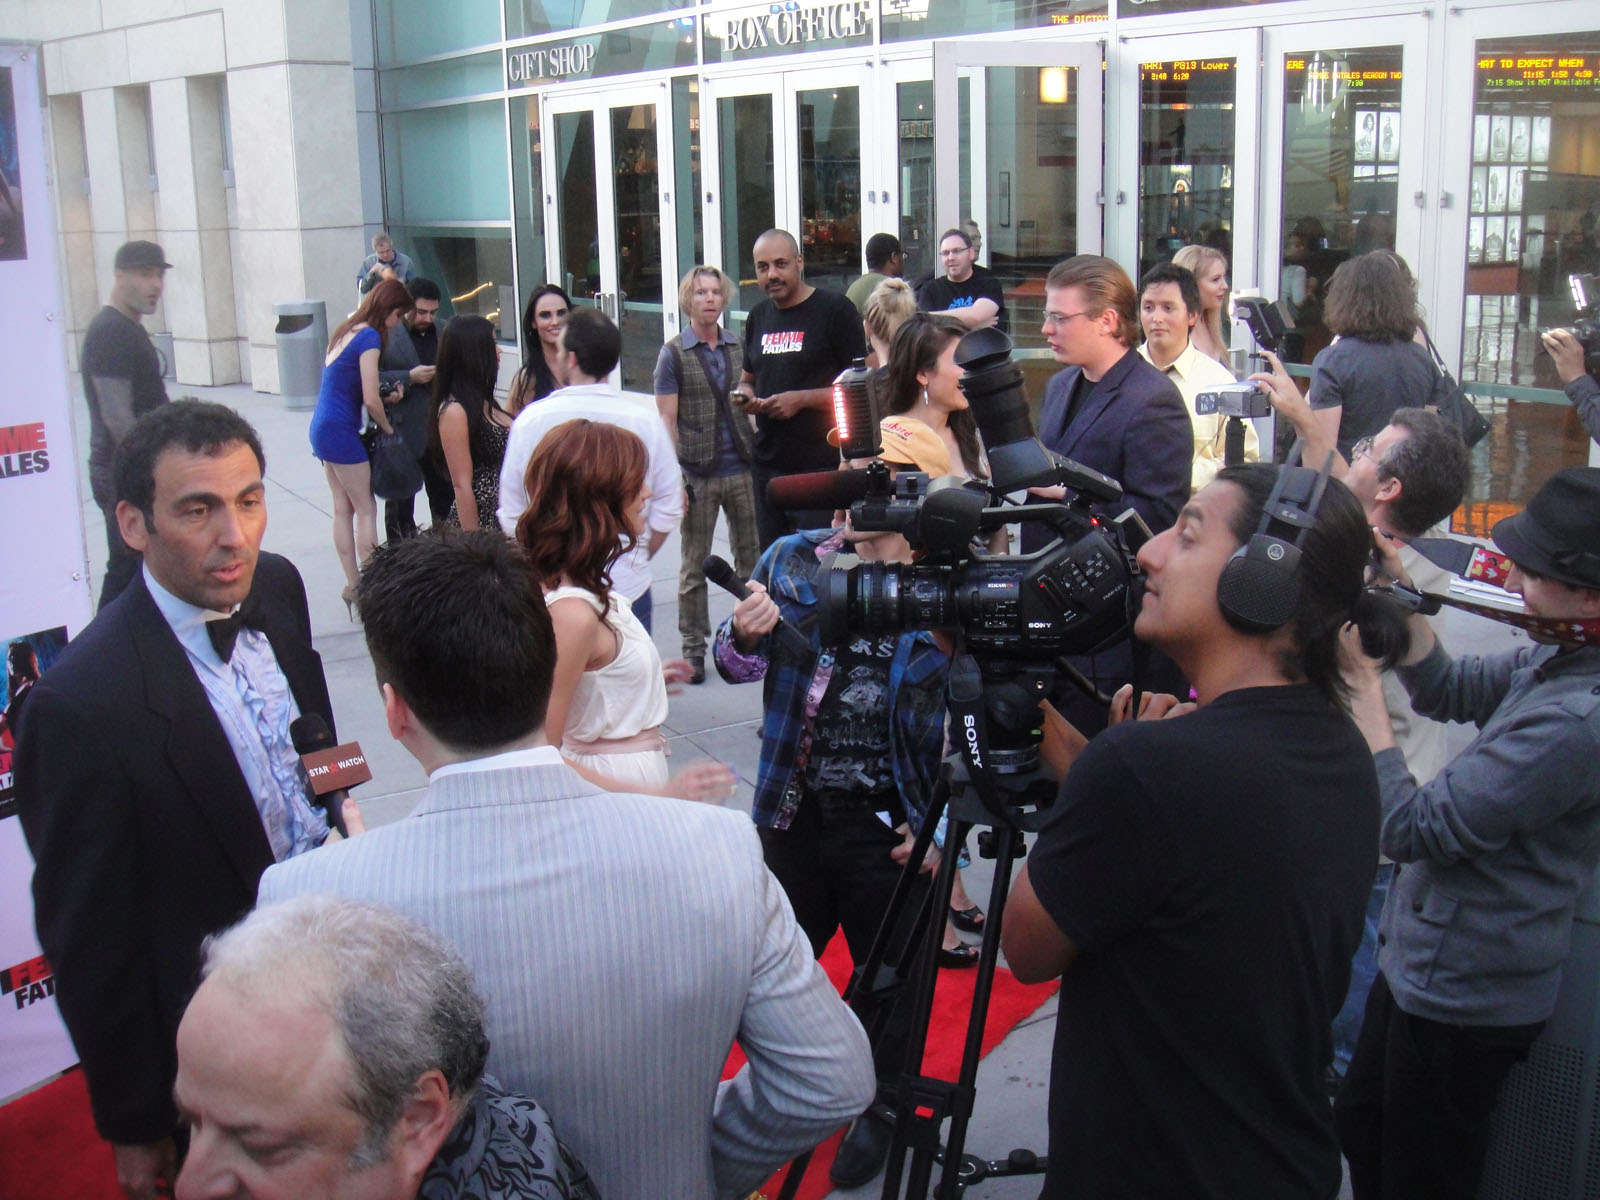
(983, 988)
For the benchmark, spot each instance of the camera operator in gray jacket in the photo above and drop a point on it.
(1493, 851)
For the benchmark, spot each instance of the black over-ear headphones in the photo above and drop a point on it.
(1259, 589)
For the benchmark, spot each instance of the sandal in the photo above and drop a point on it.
(968, 920)
(960, 956)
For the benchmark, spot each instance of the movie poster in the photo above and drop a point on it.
(24, 659)
(13, 236)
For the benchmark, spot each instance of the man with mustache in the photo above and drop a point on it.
(156, 776)
(796, 342)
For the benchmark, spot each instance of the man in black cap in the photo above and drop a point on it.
(121, 381)
(1493, 852)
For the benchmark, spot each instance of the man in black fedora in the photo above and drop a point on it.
(121, 381)
(1493, 852)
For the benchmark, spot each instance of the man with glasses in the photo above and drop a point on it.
(969, 293)
(1113, 411)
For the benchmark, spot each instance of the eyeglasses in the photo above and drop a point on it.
(1363, 449)
(1056, 320)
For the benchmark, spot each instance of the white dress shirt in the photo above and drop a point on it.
(1193, 372)
(630, 576)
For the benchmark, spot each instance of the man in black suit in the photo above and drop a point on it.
(155, 775)
(1113, 411)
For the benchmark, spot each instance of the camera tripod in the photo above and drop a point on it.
(997, 785)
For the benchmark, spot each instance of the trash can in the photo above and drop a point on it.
(302, 334)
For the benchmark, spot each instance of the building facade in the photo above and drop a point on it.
(607, 145)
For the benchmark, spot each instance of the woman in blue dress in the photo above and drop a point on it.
(349, 386)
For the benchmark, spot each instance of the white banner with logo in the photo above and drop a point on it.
(44, 590)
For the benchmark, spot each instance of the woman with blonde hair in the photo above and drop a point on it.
(349, 386)
(1210, 269)
(890, 304)
(586, 499)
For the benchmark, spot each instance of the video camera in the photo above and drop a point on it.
(1244, 400)
(1076, 595)
(1585, 325)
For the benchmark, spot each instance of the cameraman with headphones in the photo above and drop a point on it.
(1201, 884)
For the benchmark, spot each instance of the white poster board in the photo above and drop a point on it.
(44, 589)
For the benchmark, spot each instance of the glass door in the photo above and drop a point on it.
(613, 241)
(1194, 102)
(1018, 139)
(786, 151)
(1348, 150)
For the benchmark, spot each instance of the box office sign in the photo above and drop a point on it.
(785, 27)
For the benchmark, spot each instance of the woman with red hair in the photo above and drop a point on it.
(586, 498)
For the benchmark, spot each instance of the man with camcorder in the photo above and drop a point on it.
(1202, 904)
(851, 740)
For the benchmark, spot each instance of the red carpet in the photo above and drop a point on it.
(48, 1146)
(1010, 1002)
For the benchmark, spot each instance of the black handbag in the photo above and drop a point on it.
(396, 474)
(1453, 404)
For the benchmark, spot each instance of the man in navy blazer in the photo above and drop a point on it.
(1112, 411)
(145, 806)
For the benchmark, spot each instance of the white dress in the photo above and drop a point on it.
(624, 699)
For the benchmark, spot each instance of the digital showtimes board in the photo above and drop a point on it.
(1535, 73)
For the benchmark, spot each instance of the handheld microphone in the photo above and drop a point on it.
(333, 770)
(719, 572)
(817, 489)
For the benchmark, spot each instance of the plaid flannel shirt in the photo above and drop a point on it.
(917, 677)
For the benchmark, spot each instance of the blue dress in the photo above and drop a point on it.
(336, 423)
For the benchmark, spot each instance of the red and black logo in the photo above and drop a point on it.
(29, 981)
(23, 450)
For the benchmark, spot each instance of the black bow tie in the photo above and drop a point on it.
(225, 631)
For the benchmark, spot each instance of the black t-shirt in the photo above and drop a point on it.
(851, 748)
(788, 349)
(116, 347)
(1215, 898)
(939, 295)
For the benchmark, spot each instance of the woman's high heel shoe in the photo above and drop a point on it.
(349, 598)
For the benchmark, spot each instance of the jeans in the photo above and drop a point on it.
(1363, 970)
(709, 495)
(833, 862)
(642, 608)
(122, 561)
(773, 522)
(1413, 1114)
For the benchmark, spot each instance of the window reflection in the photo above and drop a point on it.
(746, 173)
(1186, 147)
(1534, 202)
(1341, 176)
(830, 185)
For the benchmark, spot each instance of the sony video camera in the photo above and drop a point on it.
(1074, 596)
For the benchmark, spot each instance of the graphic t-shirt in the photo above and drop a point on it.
(116, 347)
(939, 295)
(850, 747)
(788, 349)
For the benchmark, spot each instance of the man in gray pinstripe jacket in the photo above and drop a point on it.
(623, 943)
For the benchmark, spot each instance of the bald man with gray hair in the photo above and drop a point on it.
(336, 1049)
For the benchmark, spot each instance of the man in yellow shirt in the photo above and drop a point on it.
(1169, 306)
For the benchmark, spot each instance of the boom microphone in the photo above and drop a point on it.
(725, 577)
(333, 770)
(816, 490)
